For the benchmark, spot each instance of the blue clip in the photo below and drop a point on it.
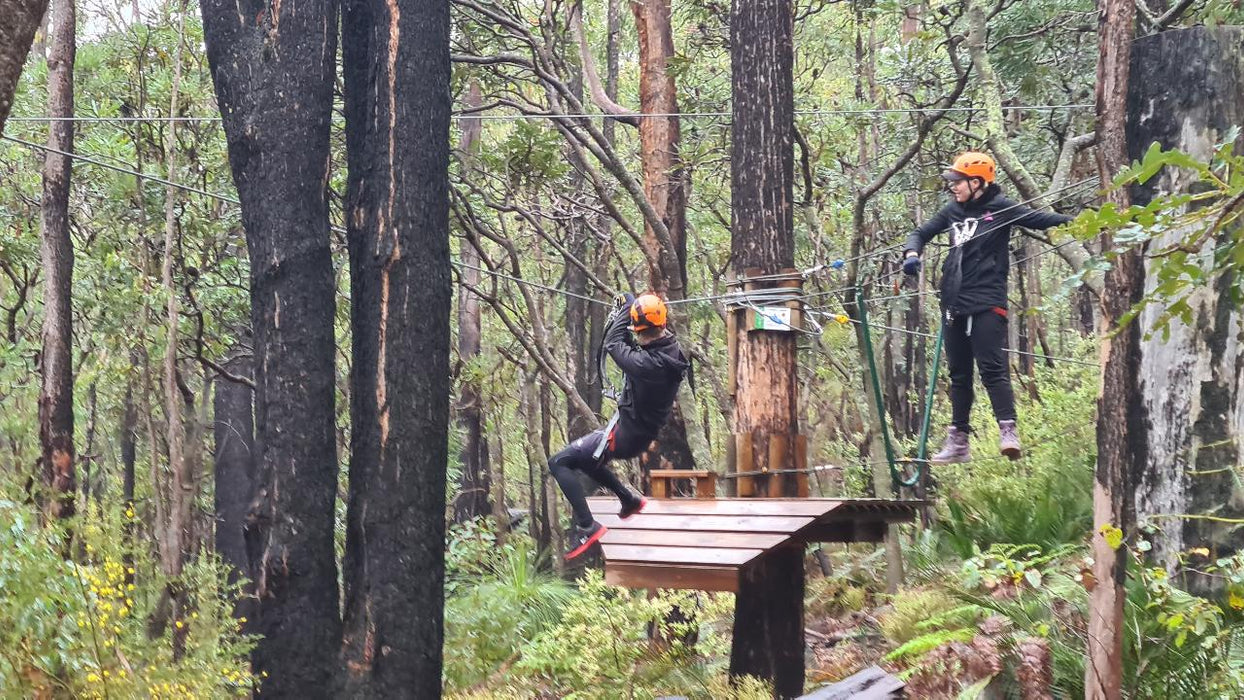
(838, 264)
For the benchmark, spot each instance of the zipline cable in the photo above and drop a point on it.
(594, 115)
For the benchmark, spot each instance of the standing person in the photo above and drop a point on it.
(654, 366)
(974, 288)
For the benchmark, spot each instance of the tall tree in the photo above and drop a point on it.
(768, 616)
(1120, 408)
(17, 32)
(665, 187)
(396, 67)
(1190, 371)
(56, 359)
(234, 459)
(474, 488)
(273, 67)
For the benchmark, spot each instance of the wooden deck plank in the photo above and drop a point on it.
(698, 578)
(679, 555)
(676, 538)
(802, 507)
(708, 523)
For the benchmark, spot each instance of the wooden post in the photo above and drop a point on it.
(768, 619)
(770, 599)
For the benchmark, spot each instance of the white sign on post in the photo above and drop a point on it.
(772, 318)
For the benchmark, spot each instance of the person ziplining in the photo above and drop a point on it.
(974, 294)
(653, 365)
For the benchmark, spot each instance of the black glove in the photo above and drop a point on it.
(911, 264)
(622, 313)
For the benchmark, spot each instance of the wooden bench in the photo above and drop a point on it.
(706, 543)
(662, 482)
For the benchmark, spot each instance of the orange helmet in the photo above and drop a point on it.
(648, 311)
(971, 164)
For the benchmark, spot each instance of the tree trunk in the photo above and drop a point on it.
(397, 104)
(762, 239)
(88, 455)
(128, 439)
(17, 32)
(665, 188)
(234, 457)
(474, 489)
(771, 596)
(1120, 413)
(56, 359)
(175, 539)
(1191, 378)
(273, 68)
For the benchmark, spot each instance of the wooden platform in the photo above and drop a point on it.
(704, 544)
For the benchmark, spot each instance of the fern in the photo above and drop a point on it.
(928, 642)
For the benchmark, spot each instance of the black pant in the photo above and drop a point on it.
(577, 456)
(987, 345)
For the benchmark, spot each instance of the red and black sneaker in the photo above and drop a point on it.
(584, 538)
(630, 508)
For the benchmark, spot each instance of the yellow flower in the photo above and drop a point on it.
(179, 624)
(92, 678)
(1113, 535)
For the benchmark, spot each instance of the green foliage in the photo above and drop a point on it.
(80, 629)
(600, 647)
(910, 609)
(489, 619)
(1194, 236)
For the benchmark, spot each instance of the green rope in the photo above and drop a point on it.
(922, 463)
(922, 451)
(866, 331)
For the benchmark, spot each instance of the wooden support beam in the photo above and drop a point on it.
(698, 578)
(770, 606)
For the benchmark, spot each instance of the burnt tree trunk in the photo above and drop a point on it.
(768, 637)
(771, 594)
(234, 458)
(1191, 389)
(17, 32)
(397, 103)
(56, 358)
(128, 440)
(475, 487)
(273, 68)
(1120, 414)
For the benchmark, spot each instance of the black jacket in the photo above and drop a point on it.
(975, 270)
(653, 373)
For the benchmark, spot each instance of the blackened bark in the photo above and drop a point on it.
(273, 68)
(396, 69)
(1120, 412)
(234, 457)
(88, 456)
(768, 622)
(771, 596)
(128, 439)
(17, 32)
(56, 361)
(475, 486)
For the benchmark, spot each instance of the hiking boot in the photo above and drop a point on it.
(584, 538)
(632, 505)
(1008, 439)
(955, 449)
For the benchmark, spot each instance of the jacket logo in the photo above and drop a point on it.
(963, 231)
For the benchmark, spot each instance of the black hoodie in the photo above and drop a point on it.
(653, 373)
(975, 270)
